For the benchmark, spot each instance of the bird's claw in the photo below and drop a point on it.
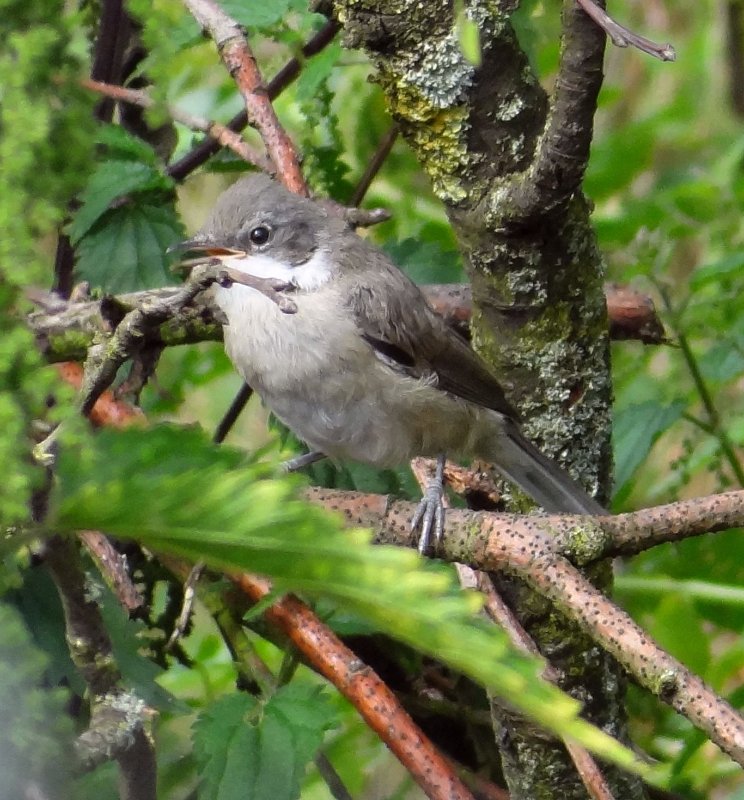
(429, 515)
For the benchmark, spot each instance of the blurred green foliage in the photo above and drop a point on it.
(667, 178)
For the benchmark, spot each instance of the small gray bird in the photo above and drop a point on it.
(364, 370)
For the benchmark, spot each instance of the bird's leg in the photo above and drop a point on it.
(429, 516)
(298, 462)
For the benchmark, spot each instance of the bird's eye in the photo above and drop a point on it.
(260, 234)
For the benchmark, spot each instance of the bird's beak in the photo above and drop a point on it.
(202, 244)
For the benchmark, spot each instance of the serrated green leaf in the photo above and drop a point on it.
(315, 71)
(123, 146)
(224, 747)
(125, 250)
(259, 751)
(256, 15)
(111, 180)
(635, 431)
(196, 501)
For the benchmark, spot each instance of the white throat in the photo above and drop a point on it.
(308, 276)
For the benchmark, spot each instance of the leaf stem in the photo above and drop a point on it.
(716, 428)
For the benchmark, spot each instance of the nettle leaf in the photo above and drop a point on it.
(123, 146)
(126, 248)
(257, 15)
(635, 431)
(111, 180)
(249, 750)
(316, 71)
(174, 491)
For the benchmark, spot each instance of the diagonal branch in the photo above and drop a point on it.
(377, 704)
(178, 170)
(221, 133)
(528, 547)
(240, 62)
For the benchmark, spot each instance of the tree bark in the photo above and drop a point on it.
(507, 161)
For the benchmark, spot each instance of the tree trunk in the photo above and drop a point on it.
(507, 162)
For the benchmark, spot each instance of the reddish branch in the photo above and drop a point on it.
(221, 133)
(241, 64)
(201, 153)
(358, 683)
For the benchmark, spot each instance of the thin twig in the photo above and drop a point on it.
(288, 73)
(621, 36)
(221, 133)
(240, 62)
(384, 147)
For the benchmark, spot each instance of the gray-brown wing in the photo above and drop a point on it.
(395, 319)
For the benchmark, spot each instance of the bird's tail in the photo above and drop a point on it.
(544, 481)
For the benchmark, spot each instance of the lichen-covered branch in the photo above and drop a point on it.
(65, 330)
(118, 727)
(557, 168)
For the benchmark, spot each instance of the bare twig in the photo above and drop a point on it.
(202, 152)
(241, 64)
(221, 133)
(375, 164)
(621, 36)
(113, 567)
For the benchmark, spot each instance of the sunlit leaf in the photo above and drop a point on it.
(174, 491)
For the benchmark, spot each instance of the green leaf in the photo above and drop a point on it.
(256, 15)
(111, 180)
(316, 71)
(726, 268)
(259, 751)
(468, 36)
(123, 146)
(426, 261)
(635, 431)
(125, 250)
(174, 491)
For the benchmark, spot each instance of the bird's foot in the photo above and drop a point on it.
(429, 516)
(299, 462)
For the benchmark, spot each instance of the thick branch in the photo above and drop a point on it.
(528, 548)
(65, 331)
(557, 169)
